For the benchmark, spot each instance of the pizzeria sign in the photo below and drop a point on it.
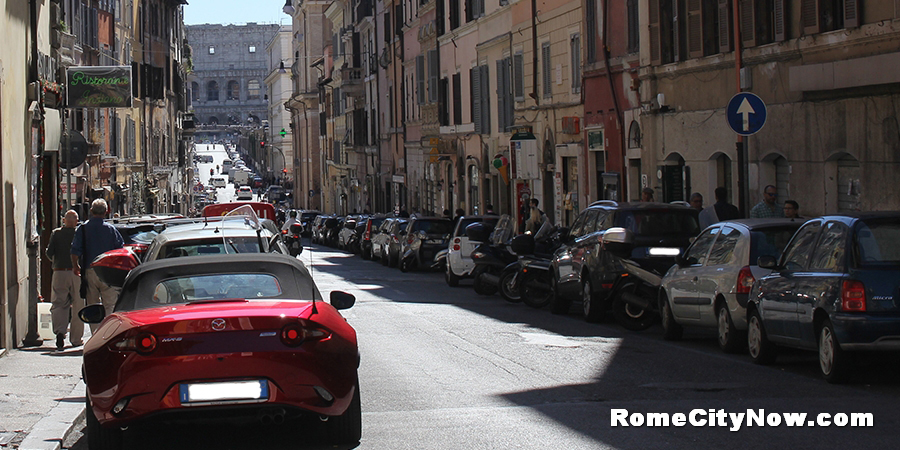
(99, 87)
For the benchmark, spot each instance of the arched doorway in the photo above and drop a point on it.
(724, 175)
(233, 90)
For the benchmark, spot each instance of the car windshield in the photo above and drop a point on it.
(656, 223)
(434, 226)
(199, 288)
(307, 216)
(878, 242)
(769, 242)
(144, 237)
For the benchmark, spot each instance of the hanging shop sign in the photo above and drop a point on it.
(98, 87)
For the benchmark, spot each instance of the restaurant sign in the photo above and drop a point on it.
(99, 87)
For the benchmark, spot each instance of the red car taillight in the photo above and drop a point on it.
(853, 296)
(368, 235)
(138, 249)
(745, 280)
(294, 334)
(456, 242)
(456, 248)
(143, 343)
(394, 238)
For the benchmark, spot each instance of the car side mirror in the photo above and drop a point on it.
(92, 313)
(767, 262)
(342, 300)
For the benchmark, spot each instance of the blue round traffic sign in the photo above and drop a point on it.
(746, 113)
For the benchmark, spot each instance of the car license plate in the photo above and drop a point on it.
(229, 391)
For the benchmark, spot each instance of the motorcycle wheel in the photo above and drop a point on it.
(631, 317)
(533, 296)
(507, 291)
(482, 288)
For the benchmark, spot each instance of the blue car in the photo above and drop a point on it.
(835, 290)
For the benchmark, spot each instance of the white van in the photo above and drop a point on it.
(226, 164)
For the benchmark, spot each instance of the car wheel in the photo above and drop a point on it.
(833, 361)
(558, 304)
(730, 339)
(452, 279)
(593, 310)
(629, 316)
(346, 428)
(100, 437)
(672, 331)
(761, 350)
(507, 289)
(406, 264)
(385, 261)
(366, 254)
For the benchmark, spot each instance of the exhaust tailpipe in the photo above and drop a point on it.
(636, 301)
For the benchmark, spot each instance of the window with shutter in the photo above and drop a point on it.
(575, 51)
(485, 99)
(475, 76)
(653, 18)
(420, 79)
(519, 76)
(851, 14)
(590, 25)
(546, 68)
(501, 98)
(387, 27)
(748, 23)
(457, 99)
(434, 66)
(695, 28)
(724, 26)
(634, 31)
(454, 14)
(508, 91)
(780, 25)
(809, 16)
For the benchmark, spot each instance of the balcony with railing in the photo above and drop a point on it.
(352, 81)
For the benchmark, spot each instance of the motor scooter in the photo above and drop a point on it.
(292, 239)
(636, 290)
(417, 246)
(535, 255)
(492, 254)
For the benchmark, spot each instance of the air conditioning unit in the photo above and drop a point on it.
(571, 125)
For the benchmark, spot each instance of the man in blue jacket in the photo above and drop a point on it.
(93, 238)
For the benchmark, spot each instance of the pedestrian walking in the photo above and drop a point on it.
(489, 209)
(65, 295)
(93, 238)
(719, 211)
(767, 207)
(697, 201)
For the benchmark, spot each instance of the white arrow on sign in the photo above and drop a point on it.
(745, 110)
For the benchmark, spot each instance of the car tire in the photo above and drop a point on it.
(834, 362)
(730, 339)
(672, 330)
(346, 428)
(591, 306)
(385, 259)
(628, 316)
(450, 277)
(366, 254)
(100, 437)
(761, 350)
(406, 264)
(506, 290)
(558, 304)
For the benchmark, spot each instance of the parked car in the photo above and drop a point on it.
(582, 270)
(393, 240)
(307, 218)
(175, 349)
(274, 194)
(381, 238)
(318, 228)
(370, 230)
(460, 248)
(709, 285)
(215, 236)
(835, 290)
(347, 231)
(425, 237)
(218, 182)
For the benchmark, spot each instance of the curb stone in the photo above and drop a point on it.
(51, 431)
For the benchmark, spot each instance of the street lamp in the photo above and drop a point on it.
(288, 8)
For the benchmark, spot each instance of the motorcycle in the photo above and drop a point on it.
(292, 239)
(533, 266)
(492, 254)
(636, 290)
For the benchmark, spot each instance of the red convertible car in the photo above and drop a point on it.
(225, 336)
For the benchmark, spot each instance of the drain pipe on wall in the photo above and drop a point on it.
(612, 91)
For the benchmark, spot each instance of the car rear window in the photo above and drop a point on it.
(770, 242)
(434, 226)
(656, 223)
(878, 242)
(250, 286)
(216, 246)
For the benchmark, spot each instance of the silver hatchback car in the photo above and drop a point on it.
(709, 285)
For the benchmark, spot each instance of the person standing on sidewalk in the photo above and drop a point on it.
(767, 208)
(65, 298)
(93, 238)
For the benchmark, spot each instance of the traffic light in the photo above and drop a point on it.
(283, 133)
(262, 143)
(283, 170)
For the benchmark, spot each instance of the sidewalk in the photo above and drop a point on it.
(41, 396)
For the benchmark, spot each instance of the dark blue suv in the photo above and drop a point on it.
(836, 289)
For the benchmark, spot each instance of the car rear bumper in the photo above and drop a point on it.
(295, 381)
(867, 332)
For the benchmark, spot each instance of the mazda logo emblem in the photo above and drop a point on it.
(218, 324)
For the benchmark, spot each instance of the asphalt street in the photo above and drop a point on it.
(444, 368)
